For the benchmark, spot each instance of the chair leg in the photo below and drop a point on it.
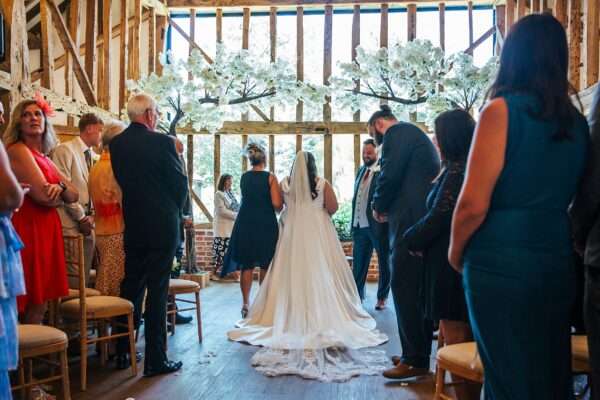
(198, 316)
(29, 378)
(131, 344)
(439, 382)
(22, 378)
(83, 354)
(64, 370)
(173, 315)
(103, 345)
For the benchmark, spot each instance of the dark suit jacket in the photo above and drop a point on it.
(379, 230)
(585, 212)
(154, 186)
(409, 163)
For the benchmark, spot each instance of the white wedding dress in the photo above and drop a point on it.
(307, 315)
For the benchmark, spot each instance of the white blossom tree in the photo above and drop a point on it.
(222, 90)
(415, 76)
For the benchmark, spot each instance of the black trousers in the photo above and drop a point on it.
(592, 322)
(151, 269)
(364, 243)
(416, 331)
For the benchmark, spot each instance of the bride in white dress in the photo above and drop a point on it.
(307, 315)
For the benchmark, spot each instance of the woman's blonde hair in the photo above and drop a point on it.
(111, 129)
(13, 132)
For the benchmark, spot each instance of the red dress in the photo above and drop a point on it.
(43, 256)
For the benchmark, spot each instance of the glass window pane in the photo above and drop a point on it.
(428, 26)
(285, 152)
(231, 159)
(314, 27)
(341, 52)
(343, 167)
(314, 144)
(457, 31)
(398, 27)
(232, 31)
(369, 30)
(286, 50)
(206, 34)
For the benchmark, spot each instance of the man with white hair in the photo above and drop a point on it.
(148, 169)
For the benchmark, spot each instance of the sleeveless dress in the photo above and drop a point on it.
(255, 232)
(307, 314)
(43, 256)
(11, 285)
(518, 273)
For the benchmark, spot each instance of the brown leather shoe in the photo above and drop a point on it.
(403, 371)
(396, 360)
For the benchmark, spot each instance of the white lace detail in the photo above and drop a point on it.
(327, 365)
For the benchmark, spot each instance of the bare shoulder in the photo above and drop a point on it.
(18, 151)
(495, 108)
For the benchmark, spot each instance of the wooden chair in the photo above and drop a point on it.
(99, 310)
(36, 341)
(580, 355)
(459, 359)
(182, 286)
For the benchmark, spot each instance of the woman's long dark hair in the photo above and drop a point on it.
(535, 60)
(222, 180)
(311, 166)
(454, 133)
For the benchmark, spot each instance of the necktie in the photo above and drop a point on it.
(88, 159)
(366, 175)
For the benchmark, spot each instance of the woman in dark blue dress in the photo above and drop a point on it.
(511, 230)
(254, 236)
(443, 294)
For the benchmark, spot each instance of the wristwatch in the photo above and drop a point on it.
(63, 186)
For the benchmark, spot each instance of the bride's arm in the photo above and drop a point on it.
(331, 203)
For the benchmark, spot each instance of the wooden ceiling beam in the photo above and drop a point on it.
(283, 3)
(67, 42)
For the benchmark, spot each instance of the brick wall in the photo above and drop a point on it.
(204, 239)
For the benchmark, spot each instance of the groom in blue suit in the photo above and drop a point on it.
(368, 234)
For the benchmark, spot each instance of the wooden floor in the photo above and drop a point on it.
(220, 370)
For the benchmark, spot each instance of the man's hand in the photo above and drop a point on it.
(188, 222)
(86, 225)
(381, 218)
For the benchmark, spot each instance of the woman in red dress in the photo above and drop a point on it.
(29, 139)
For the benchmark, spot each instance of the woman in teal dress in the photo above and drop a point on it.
(511, 231)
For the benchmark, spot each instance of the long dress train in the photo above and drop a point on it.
(307, 314)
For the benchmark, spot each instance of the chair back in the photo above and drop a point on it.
(74, 255)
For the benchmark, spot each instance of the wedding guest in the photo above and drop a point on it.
(511, 235)
(154, 186)
(74, 160)
(107, 198)
(443, 294)
(586, 230)
(366, 234)
(29, 139)
(409, 163)
(225, 213)
(11, 271)
(255, 231)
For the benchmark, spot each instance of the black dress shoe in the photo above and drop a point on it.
(182, 319)
(166, 368)
(123, 361)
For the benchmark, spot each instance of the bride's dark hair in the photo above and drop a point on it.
(311, 166)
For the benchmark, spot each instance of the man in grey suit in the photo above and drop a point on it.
(409, 164)
(368, 234)
(74, 159)
(586, 229)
